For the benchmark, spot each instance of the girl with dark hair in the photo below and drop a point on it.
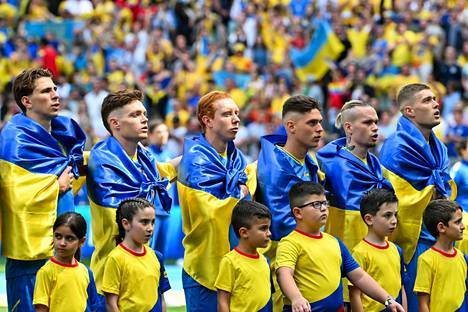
(63, 283)
(134, 275)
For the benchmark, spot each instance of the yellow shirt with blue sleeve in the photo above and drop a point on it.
(137, 278)
(385, 265)
(65, 287)
(443, 277)
(319, 263)
(248, 279)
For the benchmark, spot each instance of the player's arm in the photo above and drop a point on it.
(355, 298)
(163, 303)
(289, 288)
(224, 299)
(404, 300)
(41, 308)
(370, 287)
(111, 302)
(423, 302)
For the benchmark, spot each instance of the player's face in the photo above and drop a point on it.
(364, 128)
(308, 129)
(141, 228)
(455, 227)
(131, 122)
(426, 109)
(258, 235)
(225, 123)
(310, 216)
(160, 135)
(43, 103)
(385, 220)
(66, 243)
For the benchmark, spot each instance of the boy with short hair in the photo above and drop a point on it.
(244, 278)
(441, 278)
(381, 259)
(310, 264)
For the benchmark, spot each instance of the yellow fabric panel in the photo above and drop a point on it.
(251, 171)
(28, 203)
(205, 223)
(104, 229)
(167, 170)
(78, 183)
(347, 225)
(411, 206)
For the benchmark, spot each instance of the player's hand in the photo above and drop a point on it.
(244, 190)
(300, 305)
(65, 180)
(395, 307)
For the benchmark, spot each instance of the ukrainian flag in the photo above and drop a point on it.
(112, 177)
(347, 179)
(209, 188)
(313, 60)
(31, 159)
(416, 169)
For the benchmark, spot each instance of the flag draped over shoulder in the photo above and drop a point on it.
(347, 179)
(313, 60)
(114, 176)
(415, 169)
(209, 188)
(275, 177)
(31, 159)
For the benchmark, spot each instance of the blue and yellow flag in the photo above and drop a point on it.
(416, 169)
(31, 159)
(209, 188)
(112, 177)
(323, 48)
(277, 172)
(347, 179)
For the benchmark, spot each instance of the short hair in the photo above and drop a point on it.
(154, 123)
(343, 117)
(246, 212)
(25, 83)
(301, 190)
(462, 146)
(407, 93)
(439, 210)
(206, 103)
(373, 200)
(117, 100)
(300, 104)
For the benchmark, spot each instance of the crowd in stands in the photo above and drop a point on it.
(176, 51)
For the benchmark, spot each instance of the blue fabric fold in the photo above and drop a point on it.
(114, 176)
(27, 144)
(348, 177)
(408, 155)
(203, 168)
(275, 176)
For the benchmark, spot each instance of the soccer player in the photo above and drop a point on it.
(120, 167)
(40, 155)
(212, 178)
(415, 161)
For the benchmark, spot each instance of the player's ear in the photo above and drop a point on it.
(297, 212)
(243, 232)
(441, 227)
(82, 241)
(126, 224)
(368, 219)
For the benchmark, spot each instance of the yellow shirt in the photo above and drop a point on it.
(134, 277)
(443, 277)
(243, 275)
(358, 40)
(383, 264)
